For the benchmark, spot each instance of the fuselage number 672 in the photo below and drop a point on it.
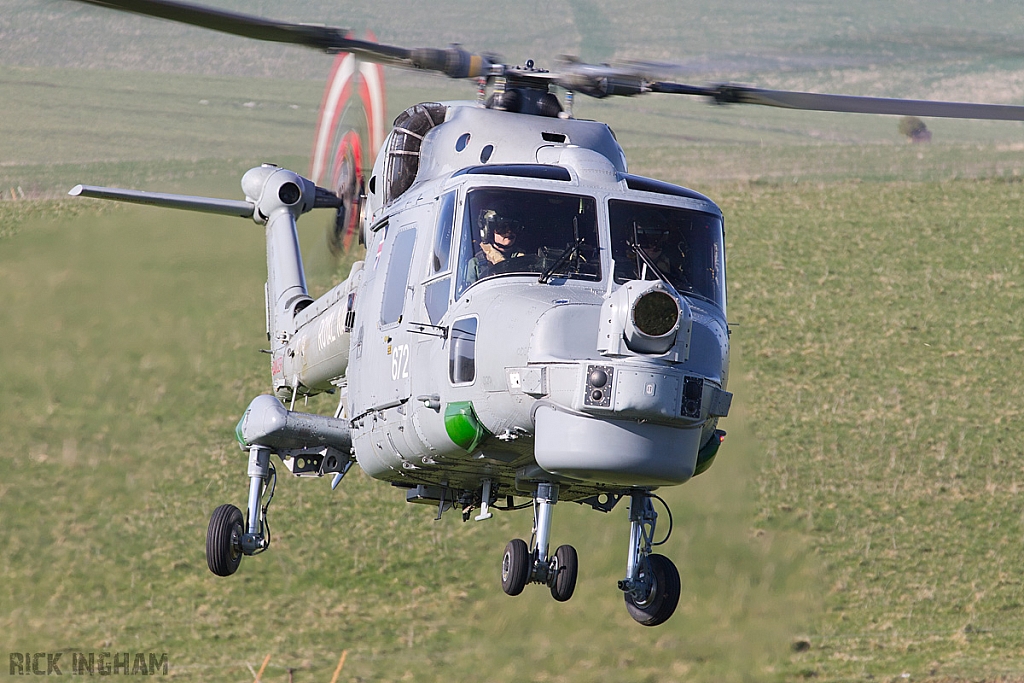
(400, 362)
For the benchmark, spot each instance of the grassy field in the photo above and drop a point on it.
(863, 522)
(917, 48)
(118, 417)
(866, 510)
(879, 331)
(199, 134)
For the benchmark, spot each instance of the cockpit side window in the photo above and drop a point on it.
(441, 254)
(685, 245)
(437, 288)
(517, 232)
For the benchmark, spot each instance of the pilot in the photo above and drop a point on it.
(500, 235)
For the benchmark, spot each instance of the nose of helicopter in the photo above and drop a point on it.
(633, 413)
(601, 412)
(621, 452)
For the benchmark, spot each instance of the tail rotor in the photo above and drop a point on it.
(350, 131)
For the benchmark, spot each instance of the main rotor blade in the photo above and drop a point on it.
(324, 38)
(453, 61)
(735, 94)
(222, 207)
(603, 80)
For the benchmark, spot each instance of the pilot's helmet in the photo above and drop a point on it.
(498, 222)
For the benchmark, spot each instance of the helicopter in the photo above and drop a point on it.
(532, 323)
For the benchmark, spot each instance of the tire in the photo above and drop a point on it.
(223, 540)
(515, 567)
(663, 598)
(566, 566)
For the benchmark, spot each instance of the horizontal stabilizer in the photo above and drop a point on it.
(223, 207)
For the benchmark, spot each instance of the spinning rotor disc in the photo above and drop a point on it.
(350, 131)
(347, 179)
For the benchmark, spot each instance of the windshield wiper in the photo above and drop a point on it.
(649, 262)
(562, 259)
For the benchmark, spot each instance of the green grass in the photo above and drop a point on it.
(133, 350)
(878, 327)
(866, 501)
(78, 116)
(61, 127)
(152, 132)
(911, 48)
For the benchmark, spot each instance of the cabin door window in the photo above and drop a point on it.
(397, 280)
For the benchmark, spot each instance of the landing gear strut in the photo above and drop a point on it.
(520, 565)
(652, 585)
(229, 536)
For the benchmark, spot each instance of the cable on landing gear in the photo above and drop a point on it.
(668, 535)
(652, 586)
(511, 506)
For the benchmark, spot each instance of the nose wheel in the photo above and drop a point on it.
(657, 604)
(652, 585)
(520, 565)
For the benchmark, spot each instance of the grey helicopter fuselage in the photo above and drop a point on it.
(452, 378)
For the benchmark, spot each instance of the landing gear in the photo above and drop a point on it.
(516, 566)
(520, 565)
(564, 573)
(229, 536)
(651, 586)
(662, 596)
(224, 540)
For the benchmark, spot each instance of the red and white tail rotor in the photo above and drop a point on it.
(349, 132)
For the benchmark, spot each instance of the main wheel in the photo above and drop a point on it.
(662, 599)
(515, 567)
(224, 540)
(566, 566)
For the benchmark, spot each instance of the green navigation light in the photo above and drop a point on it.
(462, 425)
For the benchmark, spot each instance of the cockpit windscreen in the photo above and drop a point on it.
(510, 231)
(686, 247)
